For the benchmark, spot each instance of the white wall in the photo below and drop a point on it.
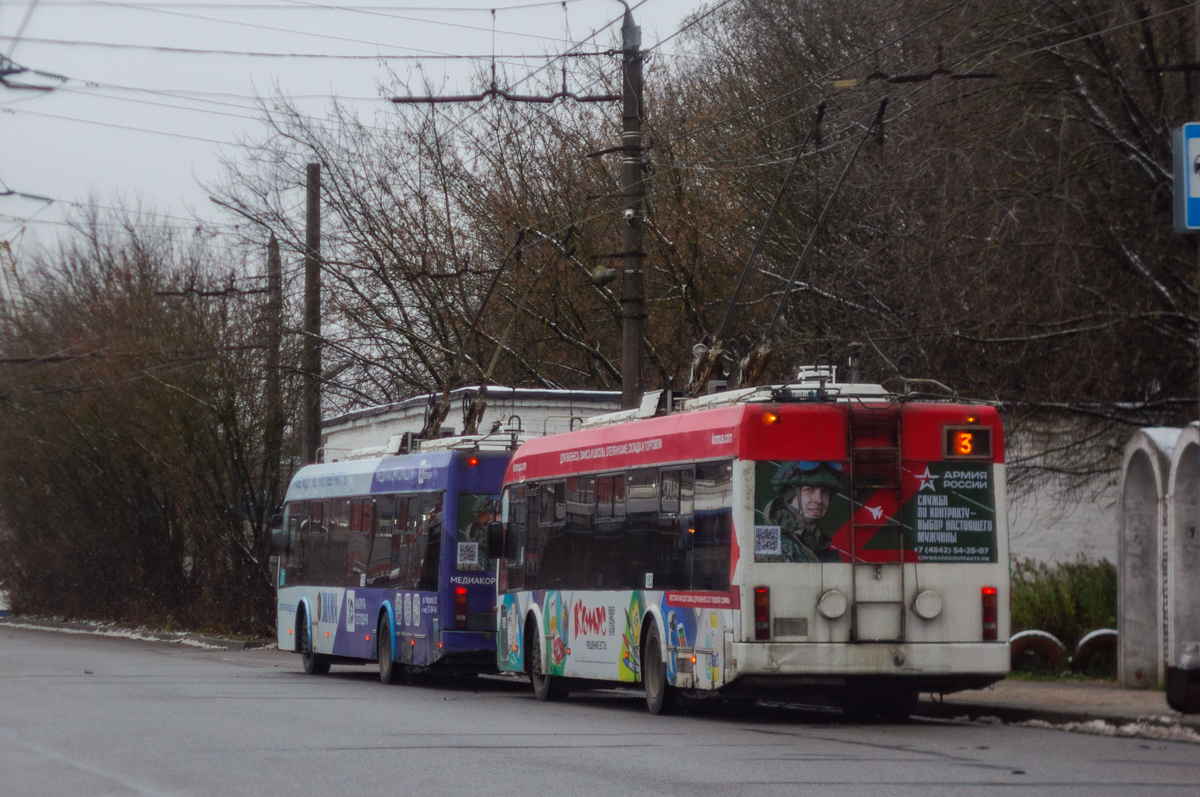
(540, 411)
(1053, 524)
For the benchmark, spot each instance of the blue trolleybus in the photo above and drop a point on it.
(386, 560)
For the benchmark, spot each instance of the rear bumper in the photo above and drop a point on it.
(927, 667)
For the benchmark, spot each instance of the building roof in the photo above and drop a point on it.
(523, 395)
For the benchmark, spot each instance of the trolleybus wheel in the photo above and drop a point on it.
(545, 687)
(660, 695)
(314, 663)
(388, 669)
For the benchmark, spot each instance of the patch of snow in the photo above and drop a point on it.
(119, 633)
(196, 643)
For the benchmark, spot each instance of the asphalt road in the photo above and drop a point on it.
(81, 715)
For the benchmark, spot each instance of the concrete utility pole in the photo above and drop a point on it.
(633, 300)
(274, 435)
(311, 364)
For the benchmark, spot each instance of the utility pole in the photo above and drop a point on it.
(311, 365)
(633, 189)
(274, 428)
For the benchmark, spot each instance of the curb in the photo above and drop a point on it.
(1013, 714)
(141, 634)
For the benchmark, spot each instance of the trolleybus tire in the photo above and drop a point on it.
(545, 687)
(314, 663)
(660, 695)
(389, 671)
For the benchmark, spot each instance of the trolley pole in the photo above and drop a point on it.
(311, 365)
(633, 187)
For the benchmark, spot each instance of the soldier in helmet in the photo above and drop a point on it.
(804, 490)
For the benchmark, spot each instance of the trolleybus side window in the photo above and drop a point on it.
(553, 534)
(401, 545)
(714, 526)
(380, 564)
(581, 511)
(296, 527)
(533, 535)
(337, 543)
(359, 548)
(608, 542)
(430, 539)
(673, 543)
(316, 539)
(641, 527)
(514, 540)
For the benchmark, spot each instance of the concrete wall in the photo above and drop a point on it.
(1183, 544)
(1054, 522)
(1141, 567)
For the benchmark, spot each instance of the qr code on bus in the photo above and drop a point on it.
(468, 553)
(767, 541)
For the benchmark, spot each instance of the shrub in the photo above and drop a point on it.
(1067, 600)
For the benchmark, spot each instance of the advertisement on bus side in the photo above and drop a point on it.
(598, 635)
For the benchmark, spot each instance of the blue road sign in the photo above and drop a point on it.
(1186, 157)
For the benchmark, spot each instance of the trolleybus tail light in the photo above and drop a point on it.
(990, 624)
(473, 461)
(770, 418)
(762, 612)
(460, 608)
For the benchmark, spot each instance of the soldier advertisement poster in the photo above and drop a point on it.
(799, 508)
(944, 512)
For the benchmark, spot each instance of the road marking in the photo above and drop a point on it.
(54, 755)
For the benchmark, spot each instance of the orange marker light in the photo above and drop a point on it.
(972, 419)
(326, 633)
(568, 651)
(368, 637)
(289, 632)
(770, 418)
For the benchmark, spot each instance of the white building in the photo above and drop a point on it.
(374, 431)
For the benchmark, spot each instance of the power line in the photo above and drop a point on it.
(416, 54)
(376, 13)
(304, 7)
(172, 12)
(120, 127)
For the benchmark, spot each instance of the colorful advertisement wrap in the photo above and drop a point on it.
(799, 506)
(595, 634)
(944, 512)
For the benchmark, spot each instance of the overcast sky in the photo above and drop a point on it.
(141, 117)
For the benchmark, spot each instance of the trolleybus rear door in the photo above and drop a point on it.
(877, 598)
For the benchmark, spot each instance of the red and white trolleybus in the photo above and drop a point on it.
(815, 540)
